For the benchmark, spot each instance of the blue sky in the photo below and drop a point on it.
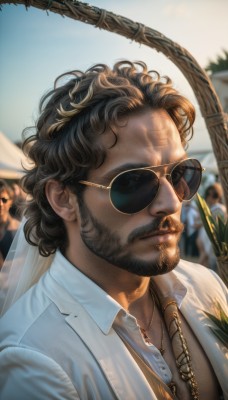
(35, 48)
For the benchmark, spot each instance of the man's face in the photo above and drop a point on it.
(5, 204)
(145, 243)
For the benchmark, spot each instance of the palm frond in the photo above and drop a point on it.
(220, 322)
(215, 227)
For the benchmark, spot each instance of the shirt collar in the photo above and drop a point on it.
(102, 308)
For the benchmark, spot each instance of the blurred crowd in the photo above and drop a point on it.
(195, 243)
(11, 198)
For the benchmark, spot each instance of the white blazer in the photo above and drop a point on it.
(51, 348)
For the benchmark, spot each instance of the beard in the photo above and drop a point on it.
(106, 244)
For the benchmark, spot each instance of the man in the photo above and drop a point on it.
(8, 224)
(192, 219)
(110, 174)
(213, 197)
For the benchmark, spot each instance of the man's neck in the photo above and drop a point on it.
(126, 288)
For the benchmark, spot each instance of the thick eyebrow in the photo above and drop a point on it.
(114, 172)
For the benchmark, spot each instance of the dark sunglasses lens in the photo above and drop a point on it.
(4, 200)
(132, 191)
(186, 178)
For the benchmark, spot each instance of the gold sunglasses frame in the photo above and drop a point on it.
(97, 185)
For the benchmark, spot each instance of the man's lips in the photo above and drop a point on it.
(160, 232)
(161, 228)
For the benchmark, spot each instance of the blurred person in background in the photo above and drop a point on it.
(8, 224)
(214, 199)
(191, 222)
(16, 210)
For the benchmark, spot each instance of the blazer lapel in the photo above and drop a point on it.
(112, 357)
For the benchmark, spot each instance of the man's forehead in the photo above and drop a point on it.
(146, 138)
(4, 192)
(148, 125)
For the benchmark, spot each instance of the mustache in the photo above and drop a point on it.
(158, 224)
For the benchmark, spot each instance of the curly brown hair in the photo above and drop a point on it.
(66, 144)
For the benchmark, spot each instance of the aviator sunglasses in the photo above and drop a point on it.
(133, 190)
(4, 200)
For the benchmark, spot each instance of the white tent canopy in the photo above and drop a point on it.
(12, 159)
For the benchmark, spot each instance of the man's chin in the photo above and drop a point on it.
(161, 263)
(157, 265)
(170, 257)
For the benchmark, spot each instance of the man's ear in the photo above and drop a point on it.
(62, 200)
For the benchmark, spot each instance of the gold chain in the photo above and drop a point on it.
(183, 359)
(145, 330)
(178, 341)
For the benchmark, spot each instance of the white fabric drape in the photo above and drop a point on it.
(22, 268)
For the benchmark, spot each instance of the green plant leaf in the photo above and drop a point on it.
(216, 228)
(215, 320)
(226, 233)
(220, 335)
(220, 320)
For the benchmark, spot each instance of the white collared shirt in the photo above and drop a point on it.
(62, 331)
(108, 313)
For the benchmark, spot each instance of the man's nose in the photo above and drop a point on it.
(166, 202)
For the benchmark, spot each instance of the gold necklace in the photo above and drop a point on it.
(145, 330)
(170, 314)
(149, 341)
